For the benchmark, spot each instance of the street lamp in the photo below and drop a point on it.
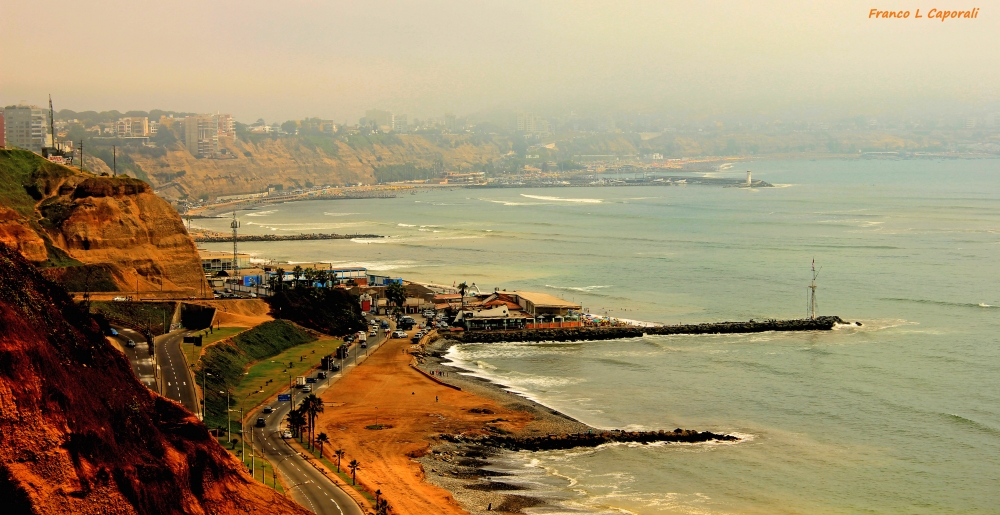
(204, 389)
(229, 421)
(243, 434)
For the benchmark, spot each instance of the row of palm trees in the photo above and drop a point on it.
(301, 276)
(303, 420)
(304, 417)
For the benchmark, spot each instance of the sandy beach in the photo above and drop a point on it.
(416, 471)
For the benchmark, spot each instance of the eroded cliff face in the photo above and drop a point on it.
(70, 218)
(79, 433)
(251, 167)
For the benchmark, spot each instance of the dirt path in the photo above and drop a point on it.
(417, 409)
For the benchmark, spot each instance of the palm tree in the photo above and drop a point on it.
(322, 439)
(354, 465)
(382, 507)
(312, 406)
(396, 294)
(310, 276)
(297, 419)
(377, 494)
(280, 278)
(462, 288)
(339, 453)
(297, 274)
(322, 277)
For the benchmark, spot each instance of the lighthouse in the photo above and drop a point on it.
(748, 178)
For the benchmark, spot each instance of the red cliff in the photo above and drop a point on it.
(78, 432)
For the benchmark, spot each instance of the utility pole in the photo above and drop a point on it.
(81, 154)
(114, 160)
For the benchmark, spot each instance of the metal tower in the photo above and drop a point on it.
(235, 225)
(812, 292)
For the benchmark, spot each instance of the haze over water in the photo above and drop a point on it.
(898, 416)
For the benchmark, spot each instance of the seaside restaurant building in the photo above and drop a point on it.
(519, 310)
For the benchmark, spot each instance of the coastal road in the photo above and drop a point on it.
(138, 356)
(309, 487)
(174, 376)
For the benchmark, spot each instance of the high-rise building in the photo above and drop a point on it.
(3, 137)
(399, 123)
(201, 135)
(382, 120)
(133, 127)
(227, 125)
(528, 122)
(26, 127)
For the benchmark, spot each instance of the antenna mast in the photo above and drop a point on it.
(812, 292)
(52, 121)
(235, 225)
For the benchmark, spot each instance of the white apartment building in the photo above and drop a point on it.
(26, 127)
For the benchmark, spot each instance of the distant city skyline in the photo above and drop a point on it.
(337, 60)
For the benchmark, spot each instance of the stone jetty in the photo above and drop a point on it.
(591, 439)
(572, 334)
(222, 238)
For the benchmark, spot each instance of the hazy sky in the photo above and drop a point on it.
(290, 59)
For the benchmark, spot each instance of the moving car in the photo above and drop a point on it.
(260, 422)
(130, 343)
(374, 332)
(307, 388)
(286, 434)
(268, 409)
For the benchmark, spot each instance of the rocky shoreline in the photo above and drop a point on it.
(467, 465)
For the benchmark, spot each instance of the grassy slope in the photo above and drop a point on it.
(228, 362)
(20, 169)
(193, 352)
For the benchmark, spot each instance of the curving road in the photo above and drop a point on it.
(312, 489)
(138, 356)
(174, 376)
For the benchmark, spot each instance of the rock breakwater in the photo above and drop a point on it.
(591, 439)
(222, 238)
(569, 334)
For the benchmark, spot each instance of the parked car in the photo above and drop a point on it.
(261, 422)
(399, 334)
(385, 325)
(268, 409)
(119, 299)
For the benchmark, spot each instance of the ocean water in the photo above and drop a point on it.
(901, 415)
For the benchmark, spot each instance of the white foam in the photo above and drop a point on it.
(561, 199)
(263, 213)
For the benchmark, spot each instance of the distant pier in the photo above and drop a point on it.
(572, 334)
